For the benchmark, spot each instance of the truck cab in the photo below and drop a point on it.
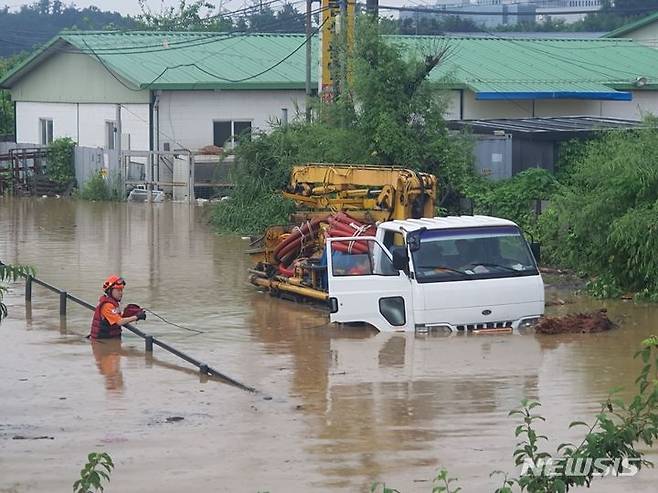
(460, 273)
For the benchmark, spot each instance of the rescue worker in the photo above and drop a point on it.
(108, 320)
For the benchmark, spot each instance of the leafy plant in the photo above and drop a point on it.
(442, 483)
(603, 287)
(99, 187)
(604, 219)
(515, 198)
(11, 273)
(61, 168)
(98, 468)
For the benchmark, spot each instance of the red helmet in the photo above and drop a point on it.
(113, 282)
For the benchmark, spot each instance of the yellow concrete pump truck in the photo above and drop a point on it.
(392, 264)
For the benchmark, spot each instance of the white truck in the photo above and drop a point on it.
(460, 273)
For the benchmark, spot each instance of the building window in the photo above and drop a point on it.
(45, 131)
(110, 135)
(228, 133)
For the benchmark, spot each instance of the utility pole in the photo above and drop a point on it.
(309, 6)
(337, 22)
(117, 143)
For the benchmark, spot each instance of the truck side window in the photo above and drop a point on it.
(392, 239)
(360, 258)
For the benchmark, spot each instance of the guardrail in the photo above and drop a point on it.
(149, 341)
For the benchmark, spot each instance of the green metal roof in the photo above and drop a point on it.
(521, 67)
(494, 68)
(632, 26)
(186, 60)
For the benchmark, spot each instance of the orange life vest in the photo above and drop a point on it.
(100, 327)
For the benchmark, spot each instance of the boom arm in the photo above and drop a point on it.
(381, 192)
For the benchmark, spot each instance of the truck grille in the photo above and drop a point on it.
(487, 325)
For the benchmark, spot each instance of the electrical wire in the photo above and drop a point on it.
(430, 10)
(199, 39)
(194, 64)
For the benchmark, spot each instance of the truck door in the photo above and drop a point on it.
(364, 286)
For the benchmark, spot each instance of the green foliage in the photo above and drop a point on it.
(248, 214)
(51, 17)
(11, 273)
(513, 199)
(98, 468)
(603, 287)
(196, 15)
(61, 168)
(603, 219)
(201, 15)
(99, 188)
(6, 104)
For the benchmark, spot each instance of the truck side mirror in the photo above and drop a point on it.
(400, 259)
(535, 248)
(413, 240)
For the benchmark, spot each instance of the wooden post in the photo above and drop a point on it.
(148, 344)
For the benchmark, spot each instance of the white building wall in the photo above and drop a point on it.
(186, 117)
(63, 115)
(83, 122)
(643, 103)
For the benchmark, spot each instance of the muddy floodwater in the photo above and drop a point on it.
(348, 406)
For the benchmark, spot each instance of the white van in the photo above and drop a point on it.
(461, 273)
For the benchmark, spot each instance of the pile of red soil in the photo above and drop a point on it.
(576, 323)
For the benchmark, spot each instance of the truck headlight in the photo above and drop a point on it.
(528, 323)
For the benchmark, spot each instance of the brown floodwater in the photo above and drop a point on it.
(349, 406)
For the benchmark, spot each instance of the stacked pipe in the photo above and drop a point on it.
(297, 242)
(342, 224)
(303, 240)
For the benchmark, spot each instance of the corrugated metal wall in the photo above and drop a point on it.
(493, 156)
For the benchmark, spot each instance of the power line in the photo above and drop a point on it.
(194, 64)
(432, 10)
(198, 40)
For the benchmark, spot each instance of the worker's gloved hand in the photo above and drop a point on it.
(141, 315)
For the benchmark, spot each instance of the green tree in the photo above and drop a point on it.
(604, 219)
(197, 15)
(61, 167)
(50, 17)
(10, 273)
(6, 105)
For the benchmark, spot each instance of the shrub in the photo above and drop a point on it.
(604, 219)
(61, 167)
(99, 187)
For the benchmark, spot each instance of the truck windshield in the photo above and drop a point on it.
(472, 253)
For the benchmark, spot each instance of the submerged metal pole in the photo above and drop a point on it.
(28, 289)
(62, 303)
(149, 341)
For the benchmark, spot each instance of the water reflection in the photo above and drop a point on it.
(107, 354)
